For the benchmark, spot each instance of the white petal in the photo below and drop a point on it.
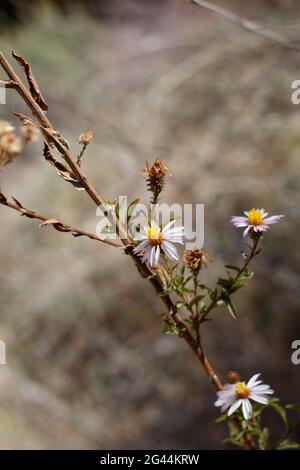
(252, 380)
(247, 408)
(157, 254)
(152, 256)
(246, 231)
(147, 253)
(141, 247)
(259, 398)
(260, 388)
(169, 225)
(170, 250)
(234, 407)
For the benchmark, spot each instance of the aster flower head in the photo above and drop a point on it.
(232, 396)
(154, 240)
(255, 221)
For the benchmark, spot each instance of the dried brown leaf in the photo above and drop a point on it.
(33, 86)
(3, 199)
(57, 225)
(62, 170)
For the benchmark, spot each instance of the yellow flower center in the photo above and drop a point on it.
(255, 217)
(241, 390)
(154, 235)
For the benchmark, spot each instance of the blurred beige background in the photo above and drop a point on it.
(87, 365)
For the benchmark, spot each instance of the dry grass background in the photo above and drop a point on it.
(87, 364)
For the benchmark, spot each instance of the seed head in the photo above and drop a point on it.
(195, 260)
(85, 138)
(155, 177)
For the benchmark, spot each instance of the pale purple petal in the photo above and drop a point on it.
(168, 226)
(238, 220)
(273, 219)
(170, 250)
(147, 253)
(141, 247)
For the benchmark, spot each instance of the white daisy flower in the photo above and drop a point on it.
(233, 396)
(256, 220)
(154, 239)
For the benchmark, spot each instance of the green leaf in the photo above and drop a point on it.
(221, 418)
(287, 444)
(196, 300)
(292, 406)
(234, 268)
(231, 440)
(282, 413)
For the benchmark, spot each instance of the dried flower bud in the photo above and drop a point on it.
(85, 138)
(233, 377)
(195, 259)
(6, 128)
(155, 176)
(30, 133)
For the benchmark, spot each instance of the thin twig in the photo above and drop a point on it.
(8, 84)
(248, 24)
(56, 224)
(52, 138)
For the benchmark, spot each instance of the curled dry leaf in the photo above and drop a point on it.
(57, 225)
(162, 274)
(60, 227)
(33, 86)
(62, 170)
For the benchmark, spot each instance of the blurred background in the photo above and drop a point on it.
(87, 365)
